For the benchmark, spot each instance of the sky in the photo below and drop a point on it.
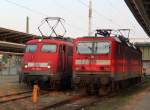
(112, 14)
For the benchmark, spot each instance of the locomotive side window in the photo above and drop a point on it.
(49, 48)
(31, 48)
(93, 47)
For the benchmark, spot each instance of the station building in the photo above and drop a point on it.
(12, 44)
(145, 49)
(141, 11)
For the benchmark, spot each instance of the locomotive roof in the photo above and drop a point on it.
(98, 38)
(57, 41)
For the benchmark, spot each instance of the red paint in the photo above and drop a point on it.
(54, 63)
(124, 59)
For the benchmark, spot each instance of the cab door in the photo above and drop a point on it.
(62, 58)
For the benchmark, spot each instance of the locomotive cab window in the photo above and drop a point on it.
(49, 48)
(102, 47)
(93, 47)
(31, 48)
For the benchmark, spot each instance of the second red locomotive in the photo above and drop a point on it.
(105, 62)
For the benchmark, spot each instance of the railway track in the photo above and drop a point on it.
(17, 96)
(79, 104)
(18, 93)
(76, 102)
(72, 102)
(61, 103)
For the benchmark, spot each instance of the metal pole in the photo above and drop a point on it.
(90, 17)
(27, 24)
(9, 66)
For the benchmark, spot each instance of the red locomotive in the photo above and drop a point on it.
(48, 60)
(103, 63)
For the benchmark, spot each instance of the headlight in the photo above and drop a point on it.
(48, 66)
(26, 66)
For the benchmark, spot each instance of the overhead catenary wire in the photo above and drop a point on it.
(38, 12)
(107, 18)
(41, 13)
(27, 8)
(73, 26)
(98, 13)
(69, 12)
(117, 11)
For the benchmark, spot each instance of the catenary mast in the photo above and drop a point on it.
(90, 17)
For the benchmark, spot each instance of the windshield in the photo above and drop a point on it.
(48, 48)
(31, 48)
(93, 47)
